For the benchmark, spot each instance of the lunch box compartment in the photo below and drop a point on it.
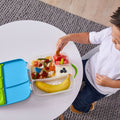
(51, 78)
(55, 81)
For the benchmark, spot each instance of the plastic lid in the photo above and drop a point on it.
(14, 82)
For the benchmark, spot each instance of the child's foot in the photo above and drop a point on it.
(76, 111)
(61, 117)
(92, 106)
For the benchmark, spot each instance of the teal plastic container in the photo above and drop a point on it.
(14, 82)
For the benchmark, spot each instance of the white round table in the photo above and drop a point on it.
(24, 39)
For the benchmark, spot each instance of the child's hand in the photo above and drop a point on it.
(103, 80)
(62, 42)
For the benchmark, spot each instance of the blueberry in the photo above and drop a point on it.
(63, 68)
(61, 71)
(65, 71)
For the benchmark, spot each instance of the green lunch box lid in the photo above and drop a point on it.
(14, 82)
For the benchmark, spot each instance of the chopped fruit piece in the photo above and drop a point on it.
(66, 61)
(40, 65)
(57, 62)
(61, 58)
(47, 68)
(44, 74)
(35, 63)
(33, 75)
(46, 61)
(52, 68)
(55, 57)
(37, 76)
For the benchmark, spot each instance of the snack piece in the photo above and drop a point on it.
(58, 52)
(53, 88)
(60, 59)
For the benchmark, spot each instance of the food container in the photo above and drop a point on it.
(16, 82)
(68, 65)
(57, 79)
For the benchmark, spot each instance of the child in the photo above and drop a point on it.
(102, 70)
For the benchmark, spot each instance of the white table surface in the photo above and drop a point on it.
(25, 39)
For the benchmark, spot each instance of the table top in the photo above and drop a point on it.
(25, 39)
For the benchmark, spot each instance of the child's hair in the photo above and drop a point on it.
(115, 18)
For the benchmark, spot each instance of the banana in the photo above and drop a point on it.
(54, 88)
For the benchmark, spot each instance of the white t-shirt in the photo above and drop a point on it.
(105, 62)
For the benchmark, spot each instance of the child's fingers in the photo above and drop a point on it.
(58, 45)
(61, 45)
(115, 42)
(98, 81)
(99, 76)
(58, 51)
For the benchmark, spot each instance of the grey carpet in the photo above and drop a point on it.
(12, 10)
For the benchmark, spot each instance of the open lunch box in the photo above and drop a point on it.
(44, 75)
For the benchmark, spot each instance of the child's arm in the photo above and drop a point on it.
(82, 38)
(107, 82)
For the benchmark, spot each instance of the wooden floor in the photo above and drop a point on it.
(95, 10)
